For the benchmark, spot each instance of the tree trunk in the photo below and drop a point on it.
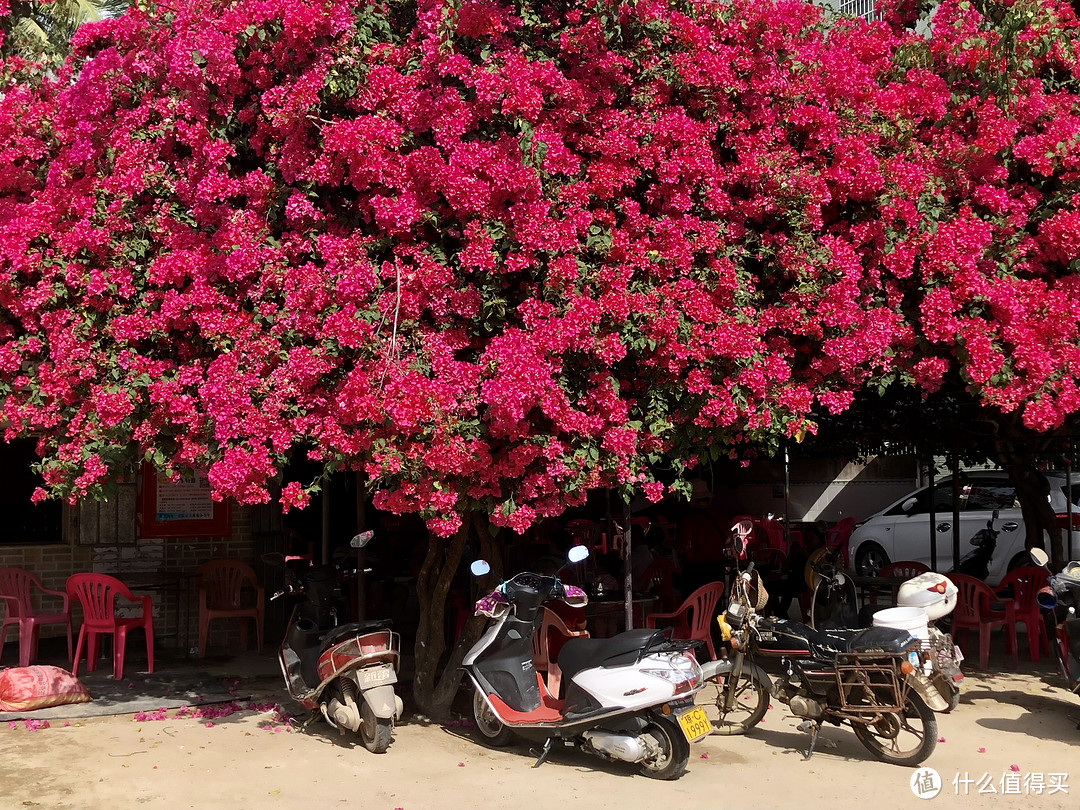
(435, 684)
(1018, 455)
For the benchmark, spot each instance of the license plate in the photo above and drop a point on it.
(375, 676)
(695, 724)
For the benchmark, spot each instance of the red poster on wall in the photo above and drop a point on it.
(180, 508)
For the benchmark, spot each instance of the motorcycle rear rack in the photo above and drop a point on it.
(872, 673)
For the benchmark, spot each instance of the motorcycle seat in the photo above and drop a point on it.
(583, 653)
(870, 639)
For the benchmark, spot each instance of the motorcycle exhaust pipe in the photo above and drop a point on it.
(622, 747)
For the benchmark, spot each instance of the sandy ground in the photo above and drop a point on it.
(1011, 734)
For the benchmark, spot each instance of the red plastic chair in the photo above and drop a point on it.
(15, 593)
(693, 620)
(97, 593)
(221, 596)
(587, 533)
(774, 531)
(1021, 585)
(838, 536)
(659, 578)
(547, 641)
(978, 607)
(772, 559)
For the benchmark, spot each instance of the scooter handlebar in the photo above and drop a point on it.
(291, 588)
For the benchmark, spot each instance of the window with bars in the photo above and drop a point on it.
(859, 8)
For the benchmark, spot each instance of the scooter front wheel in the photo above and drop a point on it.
(749, 696)
(673, 750)
(492, 730)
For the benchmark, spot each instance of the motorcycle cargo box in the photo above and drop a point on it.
(932, 592)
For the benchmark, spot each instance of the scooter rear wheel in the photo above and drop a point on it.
(491, 729)
(674, 750)
(375, 732)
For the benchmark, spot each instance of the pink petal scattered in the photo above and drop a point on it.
(1014, 768)
(982, 750)
(704, 756)
(461, 764)
(941, 739)
(209, 725)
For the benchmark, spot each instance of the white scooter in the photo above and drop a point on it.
(629, 698)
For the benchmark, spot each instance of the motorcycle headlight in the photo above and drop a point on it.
(736, 615)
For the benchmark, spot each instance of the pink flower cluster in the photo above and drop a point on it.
(497, 260)
(212, 712)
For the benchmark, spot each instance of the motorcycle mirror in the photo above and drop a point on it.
(362, 539)
(1039, 556)
(575, 554)
(480, 567)
(274, 558)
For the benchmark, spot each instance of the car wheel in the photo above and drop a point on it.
(870, 559)
(1023, 558)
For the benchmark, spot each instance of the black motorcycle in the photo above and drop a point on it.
(871, 679)
(976, 563)
(1059, 601)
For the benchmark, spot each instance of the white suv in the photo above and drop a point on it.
(902, 530)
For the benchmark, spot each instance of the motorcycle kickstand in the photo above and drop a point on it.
(813, 740)
(540, 759)
(313, 715)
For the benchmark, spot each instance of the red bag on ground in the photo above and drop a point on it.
(39, 687)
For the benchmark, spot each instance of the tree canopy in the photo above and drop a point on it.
(494, 254)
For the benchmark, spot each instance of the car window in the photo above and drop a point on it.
(987, 497)
(942, 502)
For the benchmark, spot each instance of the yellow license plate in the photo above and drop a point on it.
(695, 724)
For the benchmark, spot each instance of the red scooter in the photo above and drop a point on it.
(345, 671)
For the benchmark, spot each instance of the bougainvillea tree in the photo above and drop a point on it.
(491, 254)
(982, 244)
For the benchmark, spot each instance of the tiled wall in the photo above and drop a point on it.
(175, 609)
